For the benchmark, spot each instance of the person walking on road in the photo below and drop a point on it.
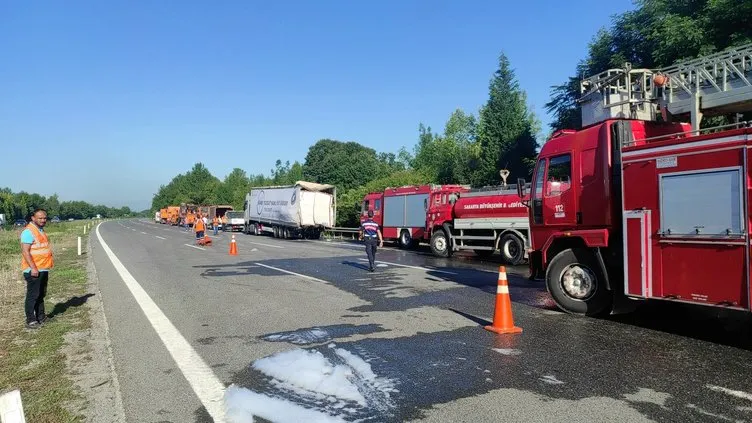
(199, 227)
(215, 224)
(370, 231)
(36, 262)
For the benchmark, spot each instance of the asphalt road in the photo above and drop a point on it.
(408, 338)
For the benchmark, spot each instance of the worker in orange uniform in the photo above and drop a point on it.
(36, 262)
(199, 227)
(215, 224)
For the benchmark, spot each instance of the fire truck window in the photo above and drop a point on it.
(443, 199)
(559, 175)
(377, 205)
(539, 173)
(365, 206)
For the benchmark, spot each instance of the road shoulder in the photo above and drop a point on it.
(90, 361)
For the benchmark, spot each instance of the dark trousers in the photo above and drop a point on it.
(36, 289)
(371, 244)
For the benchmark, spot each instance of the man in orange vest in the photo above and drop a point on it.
(36, 262)
(199, 226)
(215, 224)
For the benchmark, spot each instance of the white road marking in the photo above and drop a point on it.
(196, 247)
(292, 273)
(205, 384)
(413, 267)
(265, 245)
(144, 233)
(159, 237)
(733, 393)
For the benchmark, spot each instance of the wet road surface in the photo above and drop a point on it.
(304, 322)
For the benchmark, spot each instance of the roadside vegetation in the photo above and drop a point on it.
(33, 361)
(504, 133)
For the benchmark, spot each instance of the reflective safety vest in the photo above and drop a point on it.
(41, 250)
(199, 225)
(215, 221)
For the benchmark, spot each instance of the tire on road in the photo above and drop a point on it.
(405, 240)
(512, 249)
(440, 244)
(577, 284)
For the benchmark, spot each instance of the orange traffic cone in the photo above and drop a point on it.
(233, 247)
(503, 322)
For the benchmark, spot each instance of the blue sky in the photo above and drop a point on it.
(106, 101)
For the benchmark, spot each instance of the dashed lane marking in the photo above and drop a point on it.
(196, 247)
(426, 269)
(292, 273)
(157, 236)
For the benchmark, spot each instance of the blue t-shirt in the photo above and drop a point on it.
(28, 238)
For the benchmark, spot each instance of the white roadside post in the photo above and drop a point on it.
(85, 229)
(11, 408)
(79, 246)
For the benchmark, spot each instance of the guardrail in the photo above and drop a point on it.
(341, 233)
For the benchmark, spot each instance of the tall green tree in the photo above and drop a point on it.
(344, 164)
(506, 134)
(656, 34)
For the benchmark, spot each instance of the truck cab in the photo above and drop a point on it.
(372, 202)
(576, 214)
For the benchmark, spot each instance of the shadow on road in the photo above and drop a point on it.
(61, 308)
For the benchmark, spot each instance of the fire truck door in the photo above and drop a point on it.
(637, 253)
(559, 206)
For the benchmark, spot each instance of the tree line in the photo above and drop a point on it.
(20, 205)
(472, 148)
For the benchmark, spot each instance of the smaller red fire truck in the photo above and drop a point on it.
(484, 220)
(637, 204)
(401, 212)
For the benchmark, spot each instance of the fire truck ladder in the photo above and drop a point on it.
(715, 84)
(710, 85)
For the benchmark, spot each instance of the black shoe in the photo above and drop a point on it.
(33, 325)
(370, 269)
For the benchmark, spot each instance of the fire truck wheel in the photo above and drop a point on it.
(405, 240)
(575, 281)
(440, 244)
(512, 249)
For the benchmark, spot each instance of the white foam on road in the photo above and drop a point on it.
(208, 388)
(311, 372)
(242, 404)
(157, 236)
(339, 385)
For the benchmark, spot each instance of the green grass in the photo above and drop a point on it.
(33, 361)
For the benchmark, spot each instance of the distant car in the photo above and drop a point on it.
(19, 222)
(55, 219)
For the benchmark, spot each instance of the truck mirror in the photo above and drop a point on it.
(521, 187)
(425, 204)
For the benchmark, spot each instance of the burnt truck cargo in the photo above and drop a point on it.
(304, 209)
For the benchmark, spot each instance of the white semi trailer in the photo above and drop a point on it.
(302, 210)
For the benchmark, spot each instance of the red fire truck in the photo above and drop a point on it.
(484, 220)
(401, 212)
(639, 205)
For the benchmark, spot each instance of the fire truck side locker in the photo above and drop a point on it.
(686, 234)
